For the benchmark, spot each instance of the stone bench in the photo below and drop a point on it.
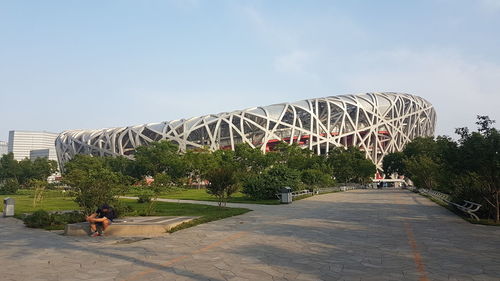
(132, 226)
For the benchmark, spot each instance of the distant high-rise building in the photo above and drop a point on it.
(3, 148)
(28, 144)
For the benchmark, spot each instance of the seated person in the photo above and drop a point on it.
(102, 217)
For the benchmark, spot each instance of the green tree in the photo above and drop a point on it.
(421, 146)
(25, 170)
(94, 183)
(198, 163)
(162, 183)
(422, 161)
(9, 186)
(365, 170)
(222, 184)
(394, 163)
(269, 182)
(316, 178)
(480, 161)
(423, 171)
(350, 165)
(294, 156)
(160, 157)
(250, 159)
(9, 167)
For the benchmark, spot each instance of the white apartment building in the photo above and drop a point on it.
(25, 144)
(3, 148)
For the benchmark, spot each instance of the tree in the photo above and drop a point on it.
(95, 184)
(9, 186)
(294, 156)
(350, 165)
(421, 146)
(421, 161)
(393, 163)
(316, 178)
(160, 157)
(480, 161)
(269, 182)
(365, 169)
(423, 171)
(162, 183)
(9, 167)
(198, 163)
(222, 184)
(26, 169)
(250, 159)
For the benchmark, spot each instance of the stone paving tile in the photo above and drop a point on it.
(355, 235)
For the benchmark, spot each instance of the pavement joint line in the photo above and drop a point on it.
(181, 258)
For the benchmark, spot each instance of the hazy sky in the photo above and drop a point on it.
(95, 64)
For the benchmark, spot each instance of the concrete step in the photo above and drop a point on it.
(132, 226)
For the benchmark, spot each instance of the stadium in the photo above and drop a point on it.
(377, 123)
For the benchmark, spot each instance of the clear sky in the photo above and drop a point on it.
(94, 64)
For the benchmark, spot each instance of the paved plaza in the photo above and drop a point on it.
(354, 235)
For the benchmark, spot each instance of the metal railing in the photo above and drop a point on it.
(467, 207)
(302, 192)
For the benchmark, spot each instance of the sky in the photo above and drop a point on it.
(96, 64)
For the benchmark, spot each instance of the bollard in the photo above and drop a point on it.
(8, 207)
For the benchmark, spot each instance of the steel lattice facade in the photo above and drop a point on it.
(377, 123)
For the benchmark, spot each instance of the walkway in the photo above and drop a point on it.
(355, 235)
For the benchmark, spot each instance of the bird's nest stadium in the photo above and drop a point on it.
(377, 123)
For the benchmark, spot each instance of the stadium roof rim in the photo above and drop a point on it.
(246, 109)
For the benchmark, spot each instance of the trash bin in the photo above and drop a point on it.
(286, 195)
(8, 207)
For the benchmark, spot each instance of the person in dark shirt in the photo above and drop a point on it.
(102, 217)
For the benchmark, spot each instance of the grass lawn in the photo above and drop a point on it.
(53, 201)
(207, 213)
(202, 195)
(56, 201)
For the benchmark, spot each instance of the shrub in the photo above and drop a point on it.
(145, 196)
(38, 219)
(10, 186)
(43, 219)
(122, 209)
(258, 188)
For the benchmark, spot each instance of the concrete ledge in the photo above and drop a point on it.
(131, 226)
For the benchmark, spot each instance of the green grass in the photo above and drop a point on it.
(206, 213)
(56, 201)
(202, 195)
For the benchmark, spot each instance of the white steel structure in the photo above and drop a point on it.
(21, 143)
(378, 123)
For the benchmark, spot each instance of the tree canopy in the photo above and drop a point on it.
(469, 168)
